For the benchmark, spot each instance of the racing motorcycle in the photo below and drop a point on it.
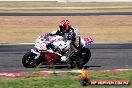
(77, 52)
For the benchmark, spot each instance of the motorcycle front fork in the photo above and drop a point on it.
(35, 52)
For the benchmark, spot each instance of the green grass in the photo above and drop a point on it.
(67, 80)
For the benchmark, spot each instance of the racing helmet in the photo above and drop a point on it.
(64, 25)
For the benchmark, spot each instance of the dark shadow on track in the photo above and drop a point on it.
(66, 66)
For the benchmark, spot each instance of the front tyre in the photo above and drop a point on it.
(29, 61)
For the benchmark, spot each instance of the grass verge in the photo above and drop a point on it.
(62, 4)
(36, 5)
(87, 10)
(25, 29)
(66, 80)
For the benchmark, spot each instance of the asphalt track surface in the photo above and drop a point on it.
(67, 14)
(104, 56)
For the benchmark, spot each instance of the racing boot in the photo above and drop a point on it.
(64, 59)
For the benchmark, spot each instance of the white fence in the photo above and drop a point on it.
(76, 0)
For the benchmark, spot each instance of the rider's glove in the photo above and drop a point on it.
(50, 34)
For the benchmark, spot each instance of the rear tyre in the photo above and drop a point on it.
(84, 57)
(86, 54)
(29, 61)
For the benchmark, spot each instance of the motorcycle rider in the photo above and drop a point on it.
(64, 30)
(67, 32)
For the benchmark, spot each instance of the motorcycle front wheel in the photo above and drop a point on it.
(29, 61)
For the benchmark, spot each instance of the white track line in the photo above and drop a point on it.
(17, 74)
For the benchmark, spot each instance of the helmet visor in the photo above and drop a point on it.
(63, 28)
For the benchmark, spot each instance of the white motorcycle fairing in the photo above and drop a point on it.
(59, 42)
(40, 43)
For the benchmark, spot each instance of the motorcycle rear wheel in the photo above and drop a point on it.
(84, 56)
